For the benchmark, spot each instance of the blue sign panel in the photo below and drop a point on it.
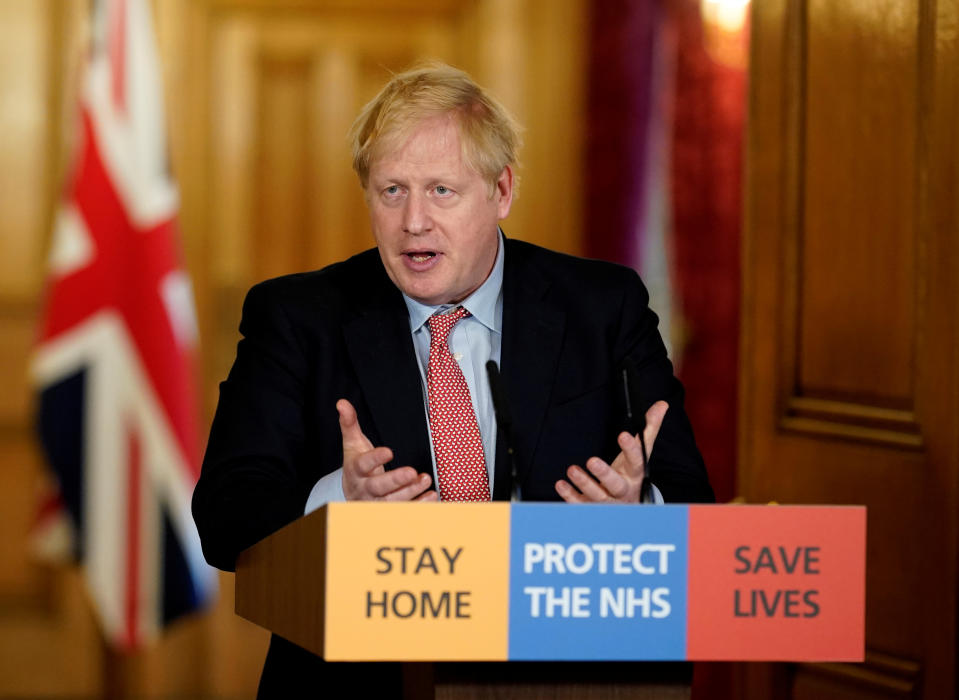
(598, 582)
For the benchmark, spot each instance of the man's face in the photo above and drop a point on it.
(432, 215)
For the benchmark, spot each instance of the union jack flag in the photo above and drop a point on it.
(114, 364)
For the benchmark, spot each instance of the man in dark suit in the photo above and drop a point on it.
(333, 392)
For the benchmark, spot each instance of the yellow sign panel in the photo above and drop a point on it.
(429, 580)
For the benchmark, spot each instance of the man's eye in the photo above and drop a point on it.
(392, 190)
(442, 190)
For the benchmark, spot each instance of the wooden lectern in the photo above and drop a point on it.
(282, 585)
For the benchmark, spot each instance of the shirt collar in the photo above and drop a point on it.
(481, 304)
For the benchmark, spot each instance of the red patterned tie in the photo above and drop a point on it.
(460, 465)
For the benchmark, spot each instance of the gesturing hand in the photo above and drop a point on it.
(364, 476)
(620, 481)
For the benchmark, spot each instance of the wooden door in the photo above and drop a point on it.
(850, 346)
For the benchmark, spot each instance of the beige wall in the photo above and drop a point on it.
(259, 96)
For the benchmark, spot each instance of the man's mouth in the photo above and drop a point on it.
(420, 255)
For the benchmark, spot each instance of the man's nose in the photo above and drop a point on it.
(416, 218)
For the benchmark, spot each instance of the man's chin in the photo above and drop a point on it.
(432, 300)
(425, 294)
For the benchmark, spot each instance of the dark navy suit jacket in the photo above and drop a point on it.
(343, 332)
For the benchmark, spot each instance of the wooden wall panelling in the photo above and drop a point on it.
(938, 375)
(881, 675)
(334, 92)
(284, 200)
(40, 609)
(25, 61)
(835, 136)
(857, 233)
(260, 94)
(849, 367)
(555, 93)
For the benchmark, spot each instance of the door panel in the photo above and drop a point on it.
(850, 373)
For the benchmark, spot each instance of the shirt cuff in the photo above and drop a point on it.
(329, 489)
(654, 496)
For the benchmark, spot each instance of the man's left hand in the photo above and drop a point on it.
(621, 481)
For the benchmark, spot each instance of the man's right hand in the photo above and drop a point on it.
(364, 476)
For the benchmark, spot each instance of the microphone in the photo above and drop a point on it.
(504, 422)
(636, 424)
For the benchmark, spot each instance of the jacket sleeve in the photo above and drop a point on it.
(249, 486)
(675, 466)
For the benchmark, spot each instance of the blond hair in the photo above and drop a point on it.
(489, 135)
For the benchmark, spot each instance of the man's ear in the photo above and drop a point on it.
(503, 193)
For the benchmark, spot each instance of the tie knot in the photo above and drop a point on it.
(441, 324)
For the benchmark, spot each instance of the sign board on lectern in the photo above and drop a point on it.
(497, 581)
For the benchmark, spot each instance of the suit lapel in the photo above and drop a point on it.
(381, 350)
(532, 337)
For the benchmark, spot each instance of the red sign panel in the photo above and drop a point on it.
(772, 583)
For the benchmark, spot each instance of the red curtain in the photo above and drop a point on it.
(707, 113)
